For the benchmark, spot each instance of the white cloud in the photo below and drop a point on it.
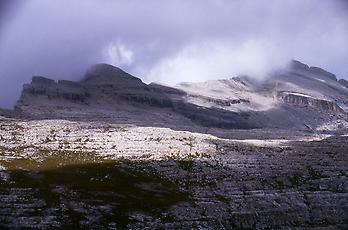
(118, 54)
(219, 59)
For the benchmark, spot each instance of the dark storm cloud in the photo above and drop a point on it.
(6, 7)
(4, 4)
(168, 41)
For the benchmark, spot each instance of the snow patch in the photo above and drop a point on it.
(298, 94)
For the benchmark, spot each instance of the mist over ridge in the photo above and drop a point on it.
(168, 42)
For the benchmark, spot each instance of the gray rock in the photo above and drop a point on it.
(38, 80)
(322, 72)
(304, 100)
(343, 82)
(296, 65)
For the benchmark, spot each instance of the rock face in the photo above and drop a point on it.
(302, 100)
(103, 85)
(319, 71)
(106, 75)
(343, 82)
(45, 89)
(107, 91)
(296, 65)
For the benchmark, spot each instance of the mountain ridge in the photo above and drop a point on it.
(107, 91)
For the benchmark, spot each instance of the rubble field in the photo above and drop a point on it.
(100, 175)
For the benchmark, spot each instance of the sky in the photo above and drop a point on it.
(167, 41)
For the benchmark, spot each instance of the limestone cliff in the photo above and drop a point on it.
(303, 100)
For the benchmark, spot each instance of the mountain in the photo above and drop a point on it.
(299, 97)
(110, 151)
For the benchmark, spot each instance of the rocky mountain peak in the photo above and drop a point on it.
(322, 72)
(104, 74)
(43, 81)
(313, 70)
(297, 65)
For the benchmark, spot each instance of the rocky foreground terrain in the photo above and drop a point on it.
(110, 152)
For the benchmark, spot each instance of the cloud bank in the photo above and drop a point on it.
(168, 41)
